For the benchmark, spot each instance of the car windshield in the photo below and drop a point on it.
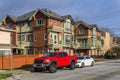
(50, 54)
(80, 58)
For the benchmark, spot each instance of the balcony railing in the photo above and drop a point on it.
(55, 28)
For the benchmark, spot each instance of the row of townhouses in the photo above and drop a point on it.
(43, 30)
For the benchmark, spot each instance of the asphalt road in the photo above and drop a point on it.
(106, 71)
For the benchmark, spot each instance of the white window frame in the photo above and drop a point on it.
(40, 21)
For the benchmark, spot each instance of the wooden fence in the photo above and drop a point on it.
(17, 60)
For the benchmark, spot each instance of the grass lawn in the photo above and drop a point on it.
(3, 76)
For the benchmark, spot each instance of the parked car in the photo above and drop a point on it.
(52, 60)
(83, 61)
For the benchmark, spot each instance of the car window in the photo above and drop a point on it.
(80, 58)
(50, 54)
(61, 54)
(64, 54)
(87, 57)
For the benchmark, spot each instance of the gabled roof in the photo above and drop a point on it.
(13, 18)
(77, 23)
(44, 11)
(50, 14)
(68, 16)
(25, 16)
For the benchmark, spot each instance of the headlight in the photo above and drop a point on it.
(46, 61)
(78, 61)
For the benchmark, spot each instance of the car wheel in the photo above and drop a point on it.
(92, 64)
(52, 68)
(72, 65)
(82, 65)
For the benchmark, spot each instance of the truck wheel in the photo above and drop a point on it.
(72, 65)
(52, 68)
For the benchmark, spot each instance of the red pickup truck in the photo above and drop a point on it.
(52, 60)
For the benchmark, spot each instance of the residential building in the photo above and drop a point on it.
(9, 22)
(68, 39)
(5, 40)
(108, 42)
(87, 39)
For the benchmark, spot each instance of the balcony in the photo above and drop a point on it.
(51, 44)
(83, 37)
(55, 29)
(85, 47)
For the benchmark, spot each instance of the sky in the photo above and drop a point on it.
(104, 13)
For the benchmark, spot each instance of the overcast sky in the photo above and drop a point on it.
(101, 12)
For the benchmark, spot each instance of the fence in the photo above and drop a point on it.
(17, 60)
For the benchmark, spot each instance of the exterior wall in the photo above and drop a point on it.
(107, 42)
(13, 34)
(5, 43)
(39, 31)
(6, 38)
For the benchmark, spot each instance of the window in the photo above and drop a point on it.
(61, 23)
(29, 37)
(82, 31)
(50, 21)
(30, 51)
(40, 21)
(45, 36)
(9, 25)
(22, 37)
(83, 42)
(68, 26)
(35, 37)
(30, 23)
(51, 36)
(67, 39)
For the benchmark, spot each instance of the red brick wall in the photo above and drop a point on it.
(39, 31)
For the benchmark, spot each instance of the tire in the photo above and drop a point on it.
(92, 64)
(37, 70)
(82, 65)
(72, 65)
(52, 68)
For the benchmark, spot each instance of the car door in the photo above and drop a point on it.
(88, 60)
(60, 59)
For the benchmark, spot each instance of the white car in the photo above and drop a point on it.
(83, 61)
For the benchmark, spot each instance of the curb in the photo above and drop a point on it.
(100, 63)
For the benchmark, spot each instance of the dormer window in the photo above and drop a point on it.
(81, 31)
(40, 21)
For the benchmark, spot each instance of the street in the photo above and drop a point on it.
(106, 71)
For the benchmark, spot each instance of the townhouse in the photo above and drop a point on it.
(87, 41)
(43, 30)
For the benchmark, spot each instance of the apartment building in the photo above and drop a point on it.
(87, 39)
